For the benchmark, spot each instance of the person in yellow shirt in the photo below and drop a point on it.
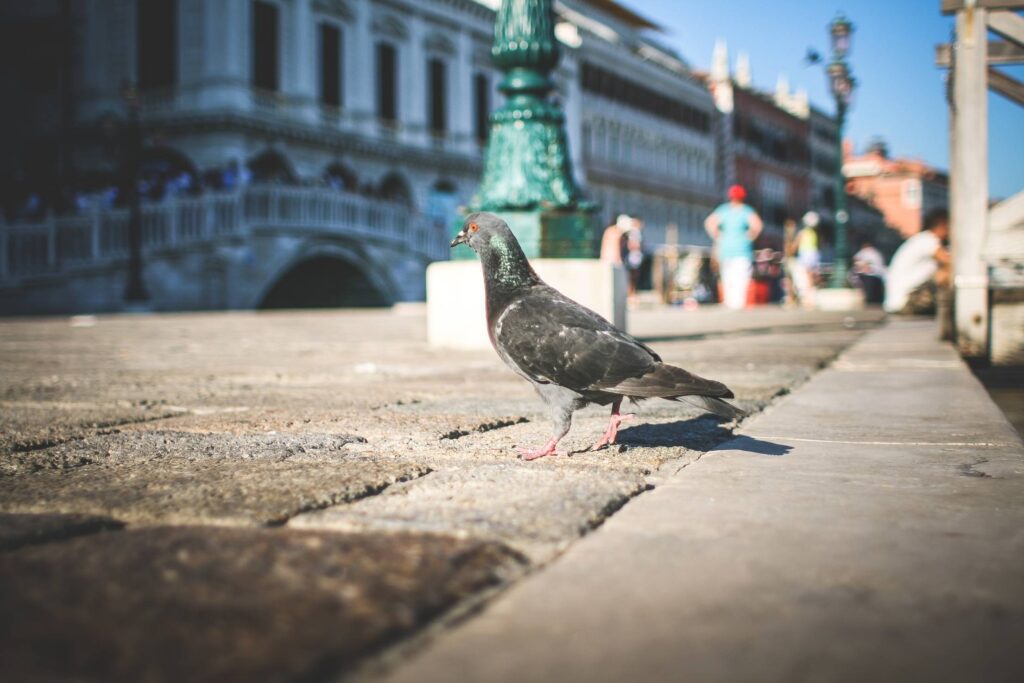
(806, 261)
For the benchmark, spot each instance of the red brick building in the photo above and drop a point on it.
(904, 190)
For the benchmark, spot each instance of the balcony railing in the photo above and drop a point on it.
(99, 238)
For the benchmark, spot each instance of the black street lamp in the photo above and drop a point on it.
(841, 83)
(135, 293)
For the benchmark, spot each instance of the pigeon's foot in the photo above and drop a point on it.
(533, 454)
(613, 430)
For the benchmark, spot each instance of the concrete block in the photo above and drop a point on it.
(844, 299)
(456, 317)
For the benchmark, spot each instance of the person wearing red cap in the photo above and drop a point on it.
(733, 227)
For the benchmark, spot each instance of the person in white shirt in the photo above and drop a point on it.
(919, 267)
(611, 240)
(869, 260)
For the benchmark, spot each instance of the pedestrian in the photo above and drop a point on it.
(733, 227)
(789, 265)
(634, 257)
(611, 240)
(919, 271)
(807, 261)
(869, 272)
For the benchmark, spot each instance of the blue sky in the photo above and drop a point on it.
(901, 95)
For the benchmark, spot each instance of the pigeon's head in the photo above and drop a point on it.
(481, 229)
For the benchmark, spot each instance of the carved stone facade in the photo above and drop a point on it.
(393, 112)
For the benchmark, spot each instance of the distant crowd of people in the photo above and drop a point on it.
(738, 274)
(158, 181)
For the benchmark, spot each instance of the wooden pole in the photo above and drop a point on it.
(969, 182)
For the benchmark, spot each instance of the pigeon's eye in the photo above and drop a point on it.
(473, 227)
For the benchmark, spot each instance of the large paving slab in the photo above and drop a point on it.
(198, 604)
(868, 527)
(30, 425)
(181, 478)
(536, 510)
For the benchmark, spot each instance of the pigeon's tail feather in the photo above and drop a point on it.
(714, 405)
(668, 381)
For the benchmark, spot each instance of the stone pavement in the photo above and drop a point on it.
(867, 527)
(284, 496)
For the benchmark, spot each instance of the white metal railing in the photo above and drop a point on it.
(59, 244)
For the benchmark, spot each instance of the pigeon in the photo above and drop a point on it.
(571, 355)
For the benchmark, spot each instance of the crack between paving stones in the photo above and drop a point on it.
(483, 428)
(91, 528)
(346, 499)
(97, 429)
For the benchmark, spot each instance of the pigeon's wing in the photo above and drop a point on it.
(549, 338)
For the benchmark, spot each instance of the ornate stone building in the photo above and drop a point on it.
(385, 100)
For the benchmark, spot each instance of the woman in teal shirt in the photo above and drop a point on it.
(733, 227)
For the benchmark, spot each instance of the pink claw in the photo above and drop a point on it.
(533, 454)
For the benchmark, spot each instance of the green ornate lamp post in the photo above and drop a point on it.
(528, 177)
(841, 83)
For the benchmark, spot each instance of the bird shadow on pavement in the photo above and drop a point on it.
(703, 433)
(742, 442)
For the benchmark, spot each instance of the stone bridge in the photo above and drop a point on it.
(257, 247)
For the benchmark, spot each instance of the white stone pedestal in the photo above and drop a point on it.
(456, 318)
(844, 299)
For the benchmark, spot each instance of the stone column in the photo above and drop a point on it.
(300, 42)
(460, 94)
(360, 68)
(227, 59)
(412, 85)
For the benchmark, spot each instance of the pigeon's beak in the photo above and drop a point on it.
(461, 238)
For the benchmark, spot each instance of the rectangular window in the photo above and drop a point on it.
(437, 79)
(157, 43)
(911, 193)
(330, 65)
(387, 82)
(265, 43)
(481, 106)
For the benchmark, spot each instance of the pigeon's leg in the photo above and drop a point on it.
(562, 416)
(613, 426)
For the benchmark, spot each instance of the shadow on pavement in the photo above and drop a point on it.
(752, 445)
(697, 434)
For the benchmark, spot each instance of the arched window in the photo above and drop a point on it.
(394, 188)
(341, 177)
(166, 172)
(270, 167)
